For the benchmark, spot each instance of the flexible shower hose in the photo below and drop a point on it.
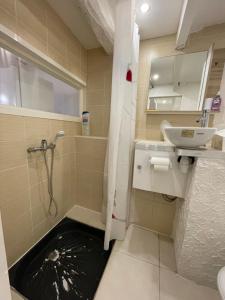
(52, 201)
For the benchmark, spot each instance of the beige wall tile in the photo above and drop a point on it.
(41, 229)
(84, 58)
(31, 22)
(17, 234)
(64, 146)
(56, 38)
(89, 146)
(8, 6)
(163, 215)
(11, 128)
(39, 195)
(99, 90)
(90, 158)
(74, 55)
(90, 189)
(90, 162)
(12, 154)
(36, 170)
(150, 210)
(95, 81)
(96, 97)
(99, 61)
(14, 185)
(8, 14)
(70, 129)
(99, 120)
(36, 128)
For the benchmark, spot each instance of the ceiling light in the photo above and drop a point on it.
(144, 7)
(155, 77)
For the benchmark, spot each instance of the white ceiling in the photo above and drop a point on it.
(209, 12)
(162, 18)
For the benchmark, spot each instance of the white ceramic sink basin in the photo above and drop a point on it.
(187, 137)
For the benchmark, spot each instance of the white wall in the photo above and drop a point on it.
(200, 224)
(190, 96)
(163, 91)
(189, 92)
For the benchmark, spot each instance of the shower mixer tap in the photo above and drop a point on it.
(44, 147)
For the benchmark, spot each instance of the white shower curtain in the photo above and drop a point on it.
(122, 121)
(101, 18)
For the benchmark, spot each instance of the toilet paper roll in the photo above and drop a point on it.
(161, 168)
(160, 163)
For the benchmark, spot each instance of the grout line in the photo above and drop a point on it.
(137, 258)
(12, 168)
(149, 229)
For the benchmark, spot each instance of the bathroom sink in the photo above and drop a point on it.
(187, 137)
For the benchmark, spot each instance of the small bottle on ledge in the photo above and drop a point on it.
(85, 123)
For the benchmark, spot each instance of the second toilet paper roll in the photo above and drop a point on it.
(160, 163)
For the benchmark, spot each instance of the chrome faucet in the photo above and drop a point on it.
(44, 144)
(44, 147)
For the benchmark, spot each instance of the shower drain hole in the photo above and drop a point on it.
(54, 255)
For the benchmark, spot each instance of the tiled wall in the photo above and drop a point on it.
(99, 90)
(90, 158)
(23, 182)
(153, 212)
(37, 23)
(216, 73)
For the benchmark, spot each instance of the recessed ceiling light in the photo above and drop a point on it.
(144, 7)
(155, 77)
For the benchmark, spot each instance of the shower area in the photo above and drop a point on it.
(65, 197)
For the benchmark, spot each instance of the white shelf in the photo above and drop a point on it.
(204, 153)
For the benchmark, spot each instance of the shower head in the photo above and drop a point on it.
(59, 134)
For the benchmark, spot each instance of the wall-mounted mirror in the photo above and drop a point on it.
(177, 82)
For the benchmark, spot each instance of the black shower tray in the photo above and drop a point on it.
(66, 264)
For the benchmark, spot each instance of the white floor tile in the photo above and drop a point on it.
(166, 253)
(141, 243)
(175, 287)
(127, 278)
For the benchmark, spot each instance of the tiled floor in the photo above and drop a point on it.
(142, 267)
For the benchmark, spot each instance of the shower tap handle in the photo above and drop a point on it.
(44, 145)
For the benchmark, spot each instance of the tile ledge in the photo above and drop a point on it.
(86, 216)
(92, 137)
